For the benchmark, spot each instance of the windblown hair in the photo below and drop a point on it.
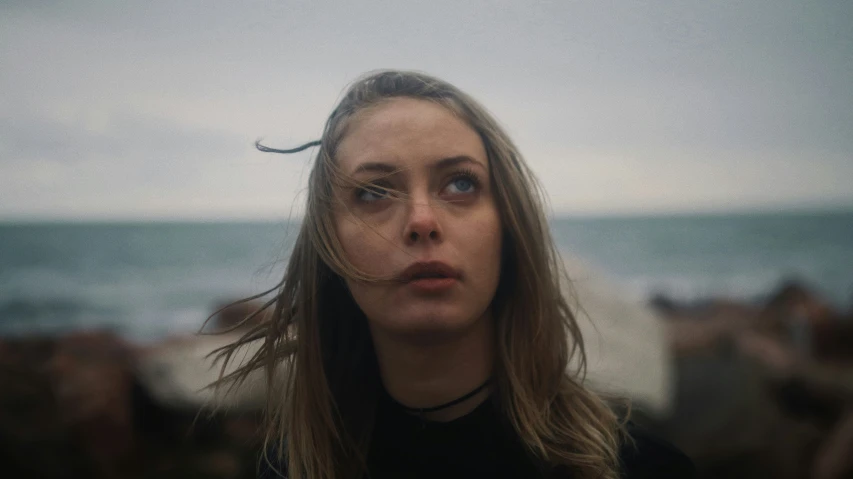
(321, 413)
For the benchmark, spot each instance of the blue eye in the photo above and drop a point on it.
(461, 185)
(371, 194)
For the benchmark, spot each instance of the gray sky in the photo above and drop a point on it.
(142, 111)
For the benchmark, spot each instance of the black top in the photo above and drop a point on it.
(480, 445)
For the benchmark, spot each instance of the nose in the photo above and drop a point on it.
(422, 223)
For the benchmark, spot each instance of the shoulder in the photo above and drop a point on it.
(647, 456)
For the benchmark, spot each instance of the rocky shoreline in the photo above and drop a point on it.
(92, 405)
(759, 390)
(762, 390)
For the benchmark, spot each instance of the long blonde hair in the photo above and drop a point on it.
(321, 416)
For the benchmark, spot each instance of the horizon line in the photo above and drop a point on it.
(223, 219)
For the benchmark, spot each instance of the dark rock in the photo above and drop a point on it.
(729, 422)
(34, 440)
(833, 459)
(761, 390)
(832, 341)
(793, 301)
(92, 377)
(72, 407)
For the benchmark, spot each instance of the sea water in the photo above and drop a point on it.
(149, 280)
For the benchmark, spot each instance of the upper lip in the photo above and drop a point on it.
(428, 269)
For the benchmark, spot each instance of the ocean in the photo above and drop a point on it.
(150, 280)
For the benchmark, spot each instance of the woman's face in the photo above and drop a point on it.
(440, 243)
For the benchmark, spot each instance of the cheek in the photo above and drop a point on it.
(367, 252)
(359, 248)
(484, 246)
(363, 246)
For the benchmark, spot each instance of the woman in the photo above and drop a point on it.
(422, 321)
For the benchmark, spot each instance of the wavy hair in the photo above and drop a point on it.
(321, 409)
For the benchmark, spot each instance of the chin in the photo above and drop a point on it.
(436, 320)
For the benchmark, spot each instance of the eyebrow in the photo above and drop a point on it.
(387, 168)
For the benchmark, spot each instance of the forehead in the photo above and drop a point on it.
(406, 132)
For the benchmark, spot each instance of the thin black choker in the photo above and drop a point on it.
(422, 410)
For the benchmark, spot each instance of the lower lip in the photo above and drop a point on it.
(432, 285)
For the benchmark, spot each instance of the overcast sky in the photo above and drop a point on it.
(143, 110)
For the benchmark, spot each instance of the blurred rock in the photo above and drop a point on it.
(73, 407)
(834, 460)
(762, 390)
(793, 300)
(91, 375)
(34, 442)
(832, 342)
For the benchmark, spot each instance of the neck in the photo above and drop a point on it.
(421, 374)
